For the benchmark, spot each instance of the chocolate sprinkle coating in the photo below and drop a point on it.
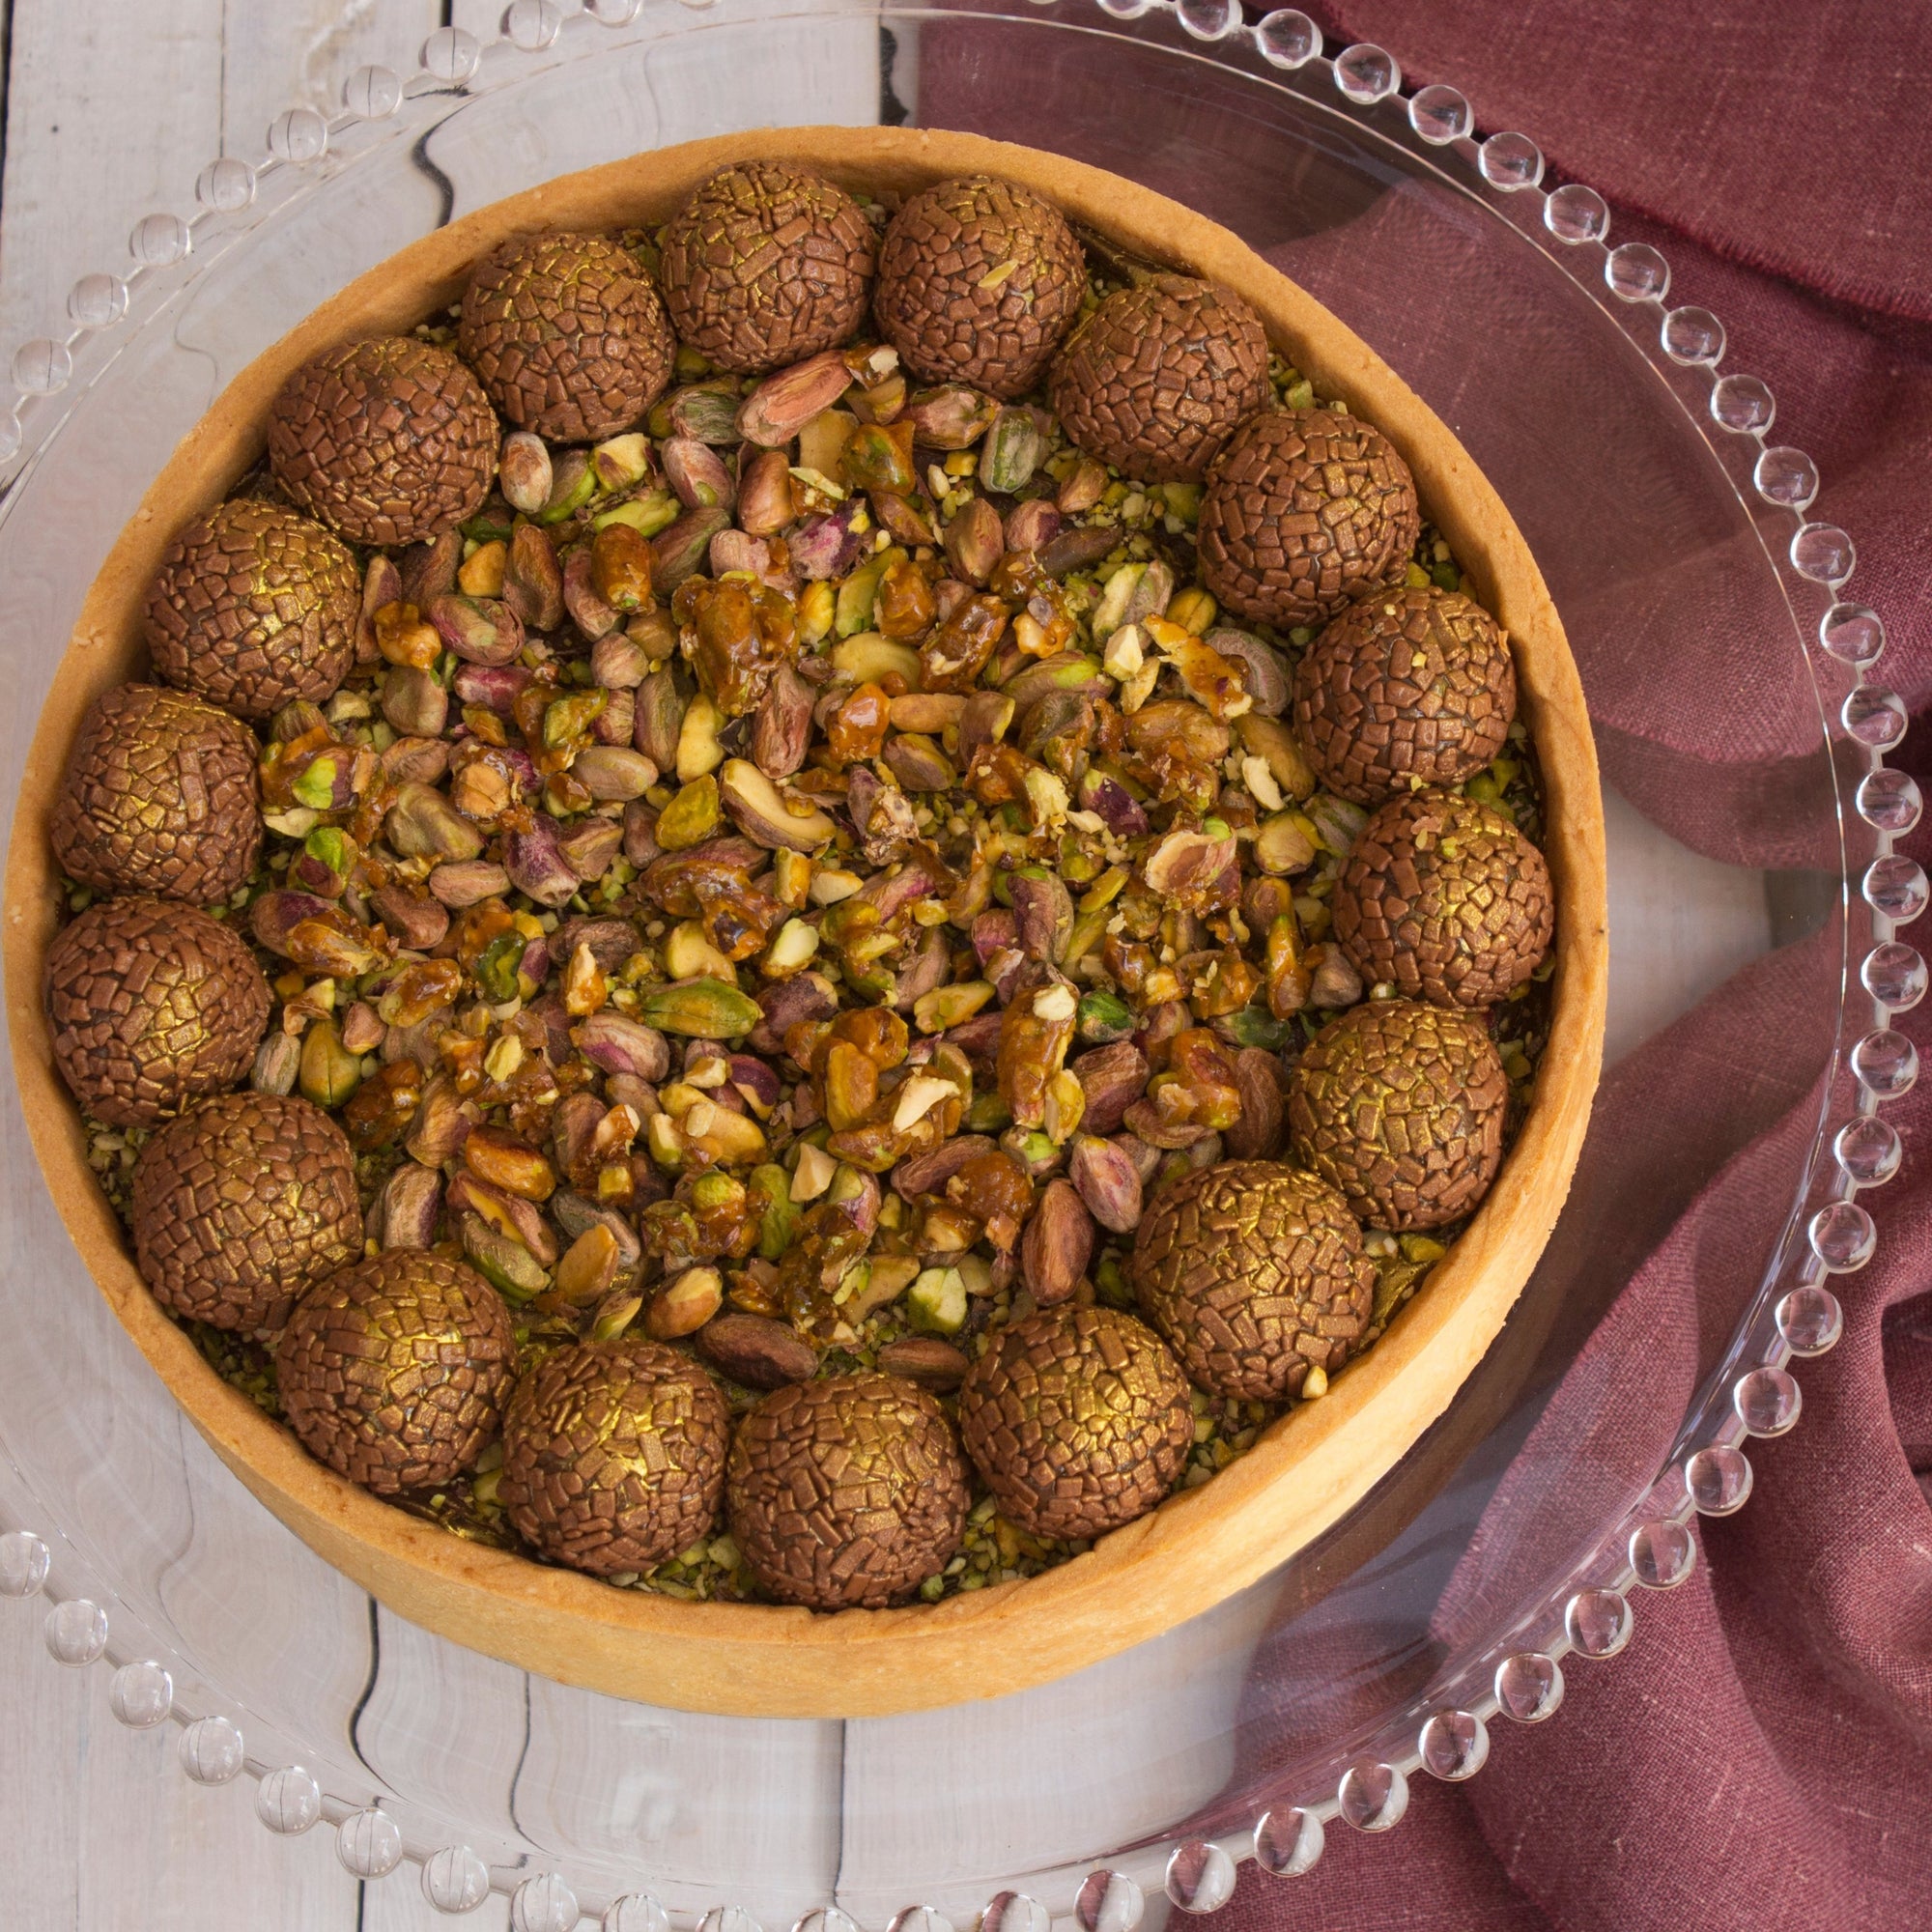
(240, 1206)
(1405, 684)
(1304, 509)
(394, 1371)
(979, 279)
(567, 335)
(1445, 899)
(254, 606)
(1078, 1418)
(847, 1492)
(1160, 375)
(613, 1455)
(1400, 1106)
(765, 264)
(388, 442)
(151, 1007)
(159, 796)
(1254, 1272)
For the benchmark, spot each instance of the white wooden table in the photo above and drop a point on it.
(112, 108)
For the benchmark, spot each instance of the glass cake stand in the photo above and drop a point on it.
(1676, 538)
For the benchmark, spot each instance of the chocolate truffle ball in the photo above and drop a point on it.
(161, 796)
(1400, 1107)
(388, 442)
(847, 1490)
(1160, 375)
(254, 606)
(613, 1455)
(151, 1008)
(240, 1206)
(1304, 509)
(1443, 899)
(1078, 1418)
(765, 264)
(394, 1371)
(1254, 1272)
(979, 279)
(567, 335)
(1406, 685)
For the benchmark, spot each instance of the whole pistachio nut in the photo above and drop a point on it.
(466, 882)
(698, 475)
(423, 824)
(523, 471)
(620, 1045)
(1058, 1244)
(414, 704)
(704, 1007)
(783, 403)
(614, 772)
(707, 411)
(598, 621)
(950, 416)
(1011, 452)
(679, 552)
(479, 630)
(755, 1351)
(1032, 525)
(428, 570)
(1112, 1078)
(536, 863)
(277, 1062)
(765, 501)
(782, 727)
(533, 582)
(660, 718)
(1044, 912)
(617, 661)
(573, 484)
(975, 540)
(1108, 1182)
(411, 1199)
(590, 847)
(330, 1073)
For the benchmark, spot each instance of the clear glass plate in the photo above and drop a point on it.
(1677, 539)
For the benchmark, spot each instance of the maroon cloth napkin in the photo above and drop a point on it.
(1761, 1756)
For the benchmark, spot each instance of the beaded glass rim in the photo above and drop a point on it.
(1518, 1674)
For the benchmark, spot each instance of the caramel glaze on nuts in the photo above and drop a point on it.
(1400, 1107)
(240, 1206)
(1078, 1418)
(159, 796)
(1304, 509)
(613, 1455)
(151, 1007)
(1405, 684)
(254, 606)
(979, 279)
(766, 265)
(1254, 1272)
(1159, 377)
(1445, 899)
(847, 1491)
(567, 335)
(394, 1371)
(388, 442)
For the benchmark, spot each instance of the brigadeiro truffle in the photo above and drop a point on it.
(613, 1455)
(151, 1007)
(1160, 375)
(1304, 509)
(394, 1371)
(1407, 684)
(1254, 1272)
(254, 606)
(1078, 1418)
(765, 264)
(1444, 899)
(1400, 1107)
(388, 442)
(161, 796)
(979, 279)
(567, 335)
(240, 1206)
(846, 1490)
